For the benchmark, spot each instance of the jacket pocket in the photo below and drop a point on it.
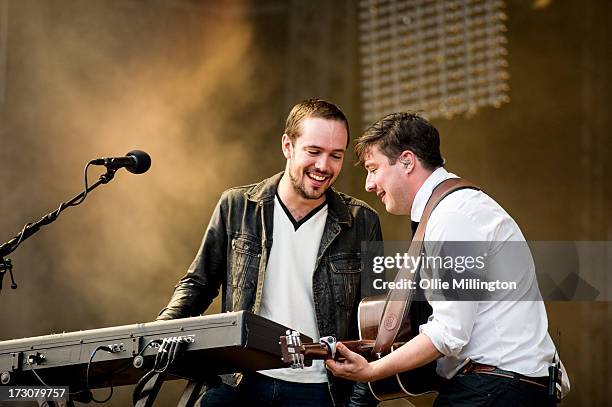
(244, 268)
(346, 277)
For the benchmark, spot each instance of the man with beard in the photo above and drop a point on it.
(288, 248)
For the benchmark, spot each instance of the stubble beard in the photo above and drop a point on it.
(300, 188)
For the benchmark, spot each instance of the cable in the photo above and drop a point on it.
(84, 192)
(159, 355)
(79, 201)
(170, 352)
(87, 388)
(151, 342)
(169, 349)
(36, 374)
(120, 369)
(42, 381)
(128, 364)
(140, 386)
(22, 233)
(53, 215)
(166, 354)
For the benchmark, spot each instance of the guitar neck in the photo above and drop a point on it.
(301, 354)
(312, 351)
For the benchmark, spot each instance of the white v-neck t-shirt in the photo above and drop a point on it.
(287, 296)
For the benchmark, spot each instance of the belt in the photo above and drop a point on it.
(479, 368)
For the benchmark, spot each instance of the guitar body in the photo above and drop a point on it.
(408, 384)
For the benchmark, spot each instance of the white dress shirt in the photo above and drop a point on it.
(511, 334)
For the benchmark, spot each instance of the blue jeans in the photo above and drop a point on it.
(258, 390)
(480, 390)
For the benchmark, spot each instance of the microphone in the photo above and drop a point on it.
(135, 161)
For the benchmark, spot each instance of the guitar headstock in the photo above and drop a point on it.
(292, 349)
(300, 354)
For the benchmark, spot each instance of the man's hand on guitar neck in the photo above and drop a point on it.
(354, 367)
(416, 353)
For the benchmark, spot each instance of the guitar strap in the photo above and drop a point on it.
(398, 301)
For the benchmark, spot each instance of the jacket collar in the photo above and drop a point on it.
(265, 190)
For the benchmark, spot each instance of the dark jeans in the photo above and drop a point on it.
(259, 390)
(482, 390)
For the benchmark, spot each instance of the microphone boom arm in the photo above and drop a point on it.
(31, 228)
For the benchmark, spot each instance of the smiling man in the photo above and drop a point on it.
(493, 353)
(288, 248)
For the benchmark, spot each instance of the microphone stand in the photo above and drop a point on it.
(31, 228)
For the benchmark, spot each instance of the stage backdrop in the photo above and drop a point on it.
(205, 87)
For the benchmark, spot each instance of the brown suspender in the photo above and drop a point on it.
(399, 300)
